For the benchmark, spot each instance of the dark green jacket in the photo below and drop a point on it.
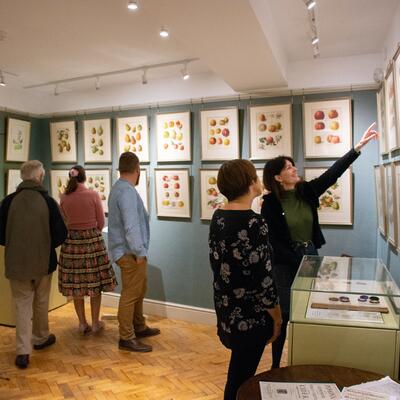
(31, 227)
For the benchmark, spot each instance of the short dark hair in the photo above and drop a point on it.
(73, 181)
(128, 162)
(235, 178)
(274, 167)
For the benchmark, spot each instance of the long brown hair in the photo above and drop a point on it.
(77, 175)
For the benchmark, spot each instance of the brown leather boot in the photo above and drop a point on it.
(134, 345)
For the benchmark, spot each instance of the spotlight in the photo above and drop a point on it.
(132, 5)
(2, 83)
(164, 33)
(311, 4)
(56, 90)
(185, 73)
(314, 40)
(97, 84)
(144, 77)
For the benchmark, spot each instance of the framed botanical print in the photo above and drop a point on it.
(210, 196)
(172, 192)
(380, 191)
(390, 101)
(18, 138)
(381, 113)
(58, 182)
(99, 181)
(173, 137)
(143, 188)
(327, 128)
(133, 135)
(336, 204)
(396, 188)
(270, 131)
(13, 180)
(97, 140)
(63, 142)
(396, 67)
(257, 202)
(219, 134)
(391, 212)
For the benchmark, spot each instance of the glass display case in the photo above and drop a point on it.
(345, 311)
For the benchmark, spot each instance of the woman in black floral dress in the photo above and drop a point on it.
(245, 296)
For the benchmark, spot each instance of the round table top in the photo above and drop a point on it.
(342, 376)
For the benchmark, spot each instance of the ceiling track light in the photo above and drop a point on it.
(56, 93)
(185, 72)
(311, 4)
(164, 32)
(2, 82)
(132, 5)
(97, 84)
(314, 40)
(144, 77)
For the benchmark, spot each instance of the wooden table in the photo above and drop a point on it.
(250, 390)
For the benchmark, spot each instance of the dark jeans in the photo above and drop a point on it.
(242, 366)
(284, 276)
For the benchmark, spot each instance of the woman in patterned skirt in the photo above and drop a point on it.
(85, 269)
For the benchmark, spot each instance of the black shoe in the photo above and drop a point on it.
(134, 345)
(22, 361)
(50, 340)
(147, 332)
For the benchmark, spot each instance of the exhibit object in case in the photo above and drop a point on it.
(345, 311)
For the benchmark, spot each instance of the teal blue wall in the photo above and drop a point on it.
(179, 270)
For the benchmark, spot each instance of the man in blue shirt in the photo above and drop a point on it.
(128, 244)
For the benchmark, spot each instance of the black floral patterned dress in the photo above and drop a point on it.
(240, 256)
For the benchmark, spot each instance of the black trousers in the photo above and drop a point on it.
(242, 366)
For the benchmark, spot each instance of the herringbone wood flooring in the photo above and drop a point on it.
(188, 362)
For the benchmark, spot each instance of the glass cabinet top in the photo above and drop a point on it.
(345, 275)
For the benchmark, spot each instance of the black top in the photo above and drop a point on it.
(308, 191)
(240, 257)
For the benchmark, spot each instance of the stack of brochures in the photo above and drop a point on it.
(383, 389)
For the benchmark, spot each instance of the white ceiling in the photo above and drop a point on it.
(248, 44)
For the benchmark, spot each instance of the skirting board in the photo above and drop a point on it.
(168, 310)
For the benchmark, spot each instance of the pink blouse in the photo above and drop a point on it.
(82, 209)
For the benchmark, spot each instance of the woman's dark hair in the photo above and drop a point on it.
(235, 177)
(274, 167)
(77, 175)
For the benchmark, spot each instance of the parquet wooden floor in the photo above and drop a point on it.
(188, 362)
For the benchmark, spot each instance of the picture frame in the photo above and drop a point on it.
(210, 197)
(391, 211)
(396, 67)
(270, 131)
(99, 180)
(390, 110)
(219, 134)
(396, 186)
(18, 140)
(58, 182)
(133, 135)
(380, 191)
(143, 188)
(13, 180)
(97, 140)
(63, 142)
(327, 128)
(173, 137)
(257, 202)
(172, 190)
(381, 114)
(336, 203)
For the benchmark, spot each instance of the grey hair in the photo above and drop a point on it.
(32, 170)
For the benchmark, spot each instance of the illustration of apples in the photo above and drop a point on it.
(179, 136)
(329, 138)
(226, 119)
(333, 114)
(165, 178)
(171, 124)
(175, 146)
(166, 194)
(219, 141)
(177, 185)
(175, 178)
(181, 147)
(262, 127)
(210, 191)
(165, 186)
(226, 142)
(178, 124)
(222, 122)
(213, 122)
(181, 203)
(173, 134)
(165, 146)
(317, 139)
(218, 130)
(319, 126)
(225, 132)
(262, 117)
(272, 128)
(319, 115)
(212, 180)
(176, 194)
(278, 126)
(334, 125)
(269, 139)
(335, 139)
(212, 140)
(212, 132)
(165, 202)
(166, 134)
(165, 125)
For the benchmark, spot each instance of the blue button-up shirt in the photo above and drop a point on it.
(128, 222)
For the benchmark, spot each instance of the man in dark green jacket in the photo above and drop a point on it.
(31, 227)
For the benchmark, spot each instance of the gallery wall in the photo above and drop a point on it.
(179, 269)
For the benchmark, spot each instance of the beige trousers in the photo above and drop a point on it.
(134, 284)
(31, 298)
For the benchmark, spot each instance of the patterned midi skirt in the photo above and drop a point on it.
(85, 269)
